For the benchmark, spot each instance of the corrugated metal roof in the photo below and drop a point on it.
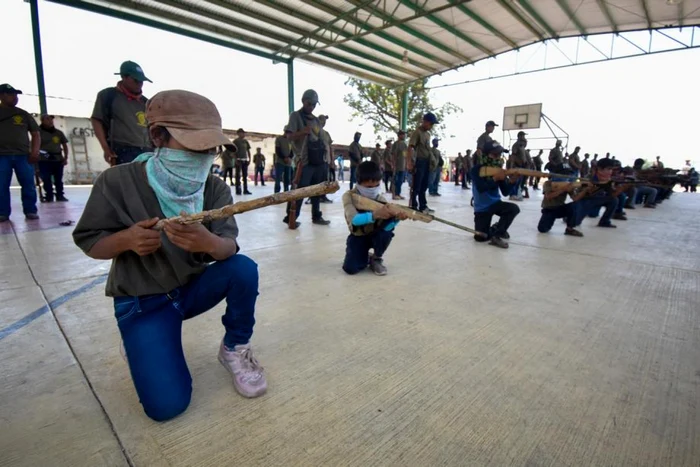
(397, 41)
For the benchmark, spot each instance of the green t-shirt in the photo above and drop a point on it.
(51, 141)
(399, 150)
(355, 153)
(555, 202)
(242, 149)
(297, 122)
(420, 142)
(15, 126)
(283, 150)
(127, 125)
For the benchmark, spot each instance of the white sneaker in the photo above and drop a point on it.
(248, 375)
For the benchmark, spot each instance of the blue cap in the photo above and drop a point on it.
(430, 117)
(493, 147)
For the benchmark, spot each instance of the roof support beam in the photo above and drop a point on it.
(572, 16)
(680, 14)
(603, 5)
(537, 17)
(484, 24)
(163, 26)
(647, 16)
(332, 11)
(520, 18)
(271, 35)
(448, 27)
(415, 33)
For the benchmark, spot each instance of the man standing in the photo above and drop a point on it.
(388, 166)
(418, 162)
(119, 117)
(556, 158)
(328, 142)
(376, 155)
(466, 171)
(340, 162)
(459, 167)
(16, 153)
(259, 161)
(283, 160)
(54, 156)
(575, 161)
(227, 157)
(659, 164)
(242, 161)
(585, 166)
(355, 152)
(594, 163)
(308, 144)
(537, 161)
(485, 138)
(518, 160)
(399, 150)
(436, 164)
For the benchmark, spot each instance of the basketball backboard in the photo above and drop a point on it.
(522, 117)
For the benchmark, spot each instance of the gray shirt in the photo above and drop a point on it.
(127, 124)
(121, 197)
(283, 150)
(420, 142)
(355, 153)
(298, 120)
(399, 150)
(51, 142)
(483, 139)
(242, 149)
(15, 126)
(555, 156)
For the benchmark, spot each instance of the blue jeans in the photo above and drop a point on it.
(399, 178)
(646, 193)
(151, 328)
(283, 173)
(25, 176)
(353, 179)
(591, 207)
(341, 174)
(421, 173)
(357, 249)
(434, 180)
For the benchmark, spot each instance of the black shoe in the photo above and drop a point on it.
(286, 222)
(629, 206)
(62, 199)
(247, 192)
(238, 192)
(504, 235)
(321, 221)
(326, 200)
(308, 201)
(46, 200)
(619, 216)
(609, 226)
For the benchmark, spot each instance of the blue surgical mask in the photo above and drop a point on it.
(367, 192)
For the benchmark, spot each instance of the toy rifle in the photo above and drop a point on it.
(491, 171)
(245, 206)
(367, 204)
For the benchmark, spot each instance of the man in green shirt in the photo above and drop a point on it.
(283, 160)
(54, 156)
(242, 161)
(227, 160)
(259, 161)
(387, 167)
(16, 153)
(399, 151)
(355, 153)
(119, 117)
(420, 155)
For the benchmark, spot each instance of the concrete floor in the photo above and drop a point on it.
(559, 351)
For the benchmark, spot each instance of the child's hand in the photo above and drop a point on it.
(383, 213)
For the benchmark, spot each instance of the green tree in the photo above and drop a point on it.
(381, 105)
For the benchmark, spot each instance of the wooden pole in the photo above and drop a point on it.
(245, 206)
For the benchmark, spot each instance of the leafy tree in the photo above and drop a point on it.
(381, 105)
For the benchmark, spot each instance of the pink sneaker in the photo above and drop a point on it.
(248, 375)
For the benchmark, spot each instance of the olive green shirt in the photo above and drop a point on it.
(15, 126)
(227, 158)
(555, 202)
(121, 197)
(555, 156)
(351, 211)
(355, 153)
(242, 149)
(283, 150)
(259, 159)
(387, 160)
(51, 142)
(298, 120)
(127, 125)
(399, 151)
(376, 157)
(483, 139)
(420, 142)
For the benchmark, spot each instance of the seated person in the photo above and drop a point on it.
(487, 198)
(368, 230)
(160, 279)
(605, 194)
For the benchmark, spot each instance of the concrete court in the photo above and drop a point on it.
(559, 351)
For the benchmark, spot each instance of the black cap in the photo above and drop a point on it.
(493, 147)
(430, 117)
(8, 89)
(605, 163)
(521, 133)
(401, 132)
(491, 123)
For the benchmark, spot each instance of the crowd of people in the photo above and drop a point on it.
(162, 150)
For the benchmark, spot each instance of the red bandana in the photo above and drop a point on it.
(129, 95)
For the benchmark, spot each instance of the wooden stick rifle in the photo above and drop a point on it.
(491, 171)
(367, 204)
(245, 206)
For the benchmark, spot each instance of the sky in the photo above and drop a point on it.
(635, 107)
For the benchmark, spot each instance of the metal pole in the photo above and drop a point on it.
(404, 109)
(38, 61)
(290, 84)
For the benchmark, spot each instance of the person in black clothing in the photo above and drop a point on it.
(53, 157)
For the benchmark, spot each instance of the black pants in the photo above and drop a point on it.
(357, 249)
(260, 170)
(331, 175)
(506, 213)
(568, 211)
(283, 173)
(52, 174)
(388, 175)
(227, 172)
(242, 169)
(421, 173)
(311, 175)
(126, 154)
